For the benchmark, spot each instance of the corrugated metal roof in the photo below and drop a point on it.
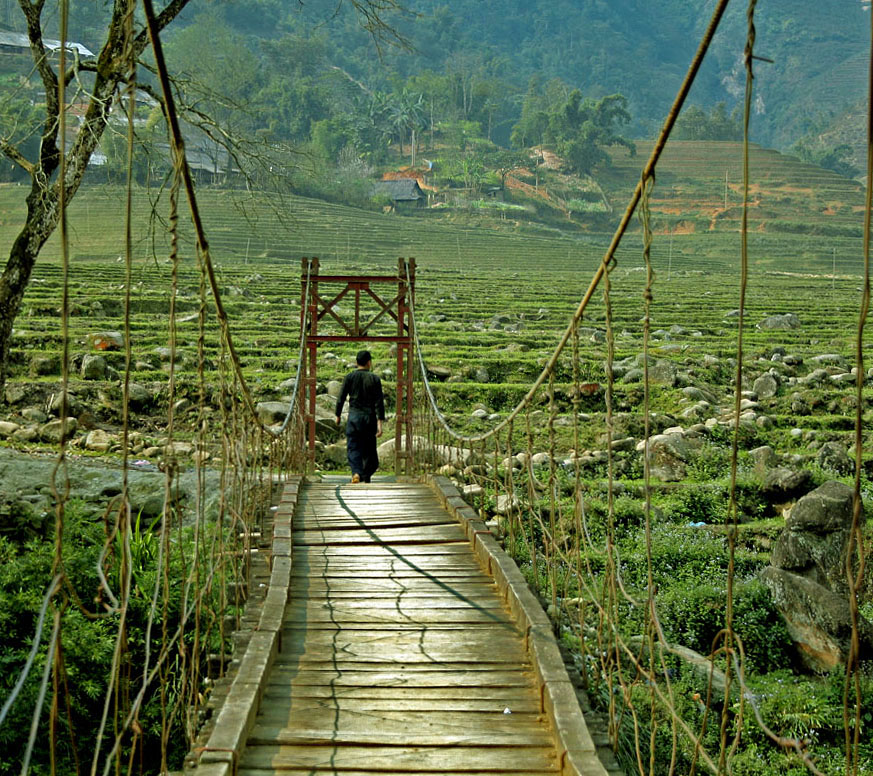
(20, 40)
(400, 190)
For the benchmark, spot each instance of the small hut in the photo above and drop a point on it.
(403, 192)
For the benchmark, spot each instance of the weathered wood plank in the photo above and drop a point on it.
(329, 716)
(464, 759)
(406, 678)
(386, 733)
(398, 655)
(344, 772)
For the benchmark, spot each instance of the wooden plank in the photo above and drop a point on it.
(431, 602)
(398, 735)
(294, 677)
(392, 536)
(461, 549)
(344, 772)
(393, 697)
(374, 587)
(388, 616)
(464, 759)
(352, 715)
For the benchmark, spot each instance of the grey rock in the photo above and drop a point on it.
(99, 441)
(540, 460)
(782, 483)
(698, 394)
(764, 457)
(336, 454)
(766, 386)
(34, 415)
(270, 412)
(623, 445)
(815, 377)
(826, 509)
(51, 431)
(479, 413)
(784, 322)
(15, 393)
(634, 375)
(107, 340)
(439, 372)
(818, 620)
(26, 434)
(835, 457)
(833, 359)
(334, 388)
(480, 375)
(668, 455)
(816, 535)
(93, 367)
(7, 429)
(139, 396)
(662, 373)
(287, 386)
(44, 365)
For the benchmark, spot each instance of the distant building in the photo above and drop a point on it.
(403, 191)
(19, 43)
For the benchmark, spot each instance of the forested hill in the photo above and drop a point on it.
(639, 48)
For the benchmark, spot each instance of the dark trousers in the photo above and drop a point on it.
(361, 443)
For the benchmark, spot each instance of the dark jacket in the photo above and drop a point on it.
(364, 392)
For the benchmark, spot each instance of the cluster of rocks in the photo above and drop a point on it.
(34, 416)
(27, 500)
(808, 578)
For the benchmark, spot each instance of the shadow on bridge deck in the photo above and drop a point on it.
(399, 653)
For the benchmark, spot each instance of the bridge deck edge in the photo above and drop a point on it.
(558, 696)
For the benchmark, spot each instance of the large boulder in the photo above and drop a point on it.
(818, 620)
(782, 484)
(668, 455)
(780, 322)
(93, 367)
(765, 386)
(51, 432)
(816, 536)
(835, 457)
(270, 412)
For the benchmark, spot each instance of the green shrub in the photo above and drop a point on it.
(87, 644)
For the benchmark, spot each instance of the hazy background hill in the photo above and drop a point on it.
(639, 48)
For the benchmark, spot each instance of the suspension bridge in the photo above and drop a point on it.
(382, 628)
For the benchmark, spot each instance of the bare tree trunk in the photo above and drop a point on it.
(41, 221)
(110, 69)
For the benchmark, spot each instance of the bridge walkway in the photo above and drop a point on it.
(399, 653)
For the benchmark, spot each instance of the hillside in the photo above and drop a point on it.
(640, 49)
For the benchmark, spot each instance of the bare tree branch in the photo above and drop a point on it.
(13, 154)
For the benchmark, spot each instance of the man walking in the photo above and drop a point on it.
(366, 413)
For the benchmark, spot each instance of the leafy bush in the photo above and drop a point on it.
(692, 614)
(87, 643)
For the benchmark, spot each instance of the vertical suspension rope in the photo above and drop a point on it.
(733, 518)
(855, 569)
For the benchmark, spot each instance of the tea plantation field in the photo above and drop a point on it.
(491, 305)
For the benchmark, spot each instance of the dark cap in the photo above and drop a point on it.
(363, 358)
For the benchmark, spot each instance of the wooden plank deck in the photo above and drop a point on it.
(398, 653)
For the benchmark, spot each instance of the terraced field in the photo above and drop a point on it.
(491, 305)
(466, 278)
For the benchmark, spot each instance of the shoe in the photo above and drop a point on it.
(356, 478)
